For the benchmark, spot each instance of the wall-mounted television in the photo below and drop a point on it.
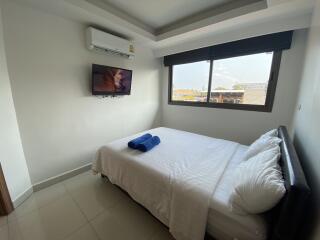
(108, 80)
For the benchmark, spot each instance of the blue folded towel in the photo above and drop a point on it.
(149, 144)
(135, 142)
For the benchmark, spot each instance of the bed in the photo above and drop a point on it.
(164, 181)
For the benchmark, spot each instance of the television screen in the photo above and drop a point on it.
(110, 80)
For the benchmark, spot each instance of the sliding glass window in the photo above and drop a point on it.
(244, 82)
(190, 82)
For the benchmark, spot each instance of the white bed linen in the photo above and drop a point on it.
(174, 181)
(224, 224)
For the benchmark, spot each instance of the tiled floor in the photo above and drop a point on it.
(85, 207)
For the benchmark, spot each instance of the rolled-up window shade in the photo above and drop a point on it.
(196, 55)
(267, 43)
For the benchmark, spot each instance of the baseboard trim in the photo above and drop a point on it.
(22, 197)
(61, 177)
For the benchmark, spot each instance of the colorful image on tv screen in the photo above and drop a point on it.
(110, 80)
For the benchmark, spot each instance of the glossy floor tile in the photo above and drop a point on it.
(38, 200)
(53, 222)
(3, 220)
(4, 232)
(85, 207)
(93, 194)
(125, 221)
(84, 233)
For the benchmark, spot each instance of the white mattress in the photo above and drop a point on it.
(224, 224)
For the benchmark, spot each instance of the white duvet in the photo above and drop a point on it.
(174, 181)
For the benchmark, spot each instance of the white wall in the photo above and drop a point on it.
(307, 119)
(11, 152)
(61, 123)
(243, 126)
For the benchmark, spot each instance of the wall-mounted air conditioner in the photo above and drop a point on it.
(106, 42)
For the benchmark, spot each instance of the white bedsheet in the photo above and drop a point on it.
(224, 224)
(174, 181)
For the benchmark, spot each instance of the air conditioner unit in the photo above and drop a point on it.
(106, 42)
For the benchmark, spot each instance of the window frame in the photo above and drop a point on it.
(271, 91)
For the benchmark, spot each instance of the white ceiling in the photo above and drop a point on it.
(171, 26)
(160, 13)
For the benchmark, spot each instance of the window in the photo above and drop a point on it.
(244, 82)
(190, 82)
(241, 80)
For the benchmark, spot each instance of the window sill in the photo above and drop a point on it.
(244, 107)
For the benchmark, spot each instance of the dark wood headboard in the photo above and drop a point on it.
(288, 216)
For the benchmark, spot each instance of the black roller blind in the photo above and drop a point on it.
(266, 43)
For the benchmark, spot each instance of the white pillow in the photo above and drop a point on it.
(259, 184)
(271, 133)
(261, 144)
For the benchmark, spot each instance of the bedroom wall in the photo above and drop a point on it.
(307, 116)
(11, 152)
(61, 123)
(243, 126)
